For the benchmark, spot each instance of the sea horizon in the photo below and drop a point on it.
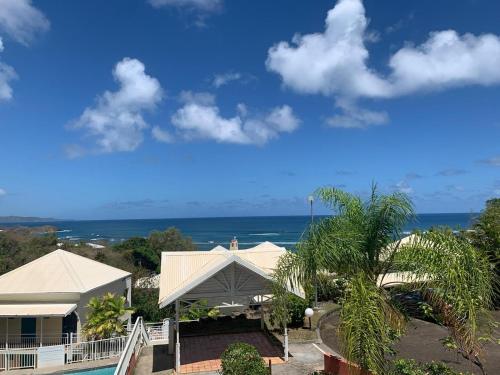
(208, 232)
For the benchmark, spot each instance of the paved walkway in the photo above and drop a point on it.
(202, 353)
(304, 359)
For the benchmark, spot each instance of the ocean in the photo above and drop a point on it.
(210, 232)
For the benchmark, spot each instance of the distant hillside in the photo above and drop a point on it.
(25, 219)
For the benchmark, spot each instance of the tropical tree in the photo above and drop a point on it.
(361, 243)
(486, 237)
(105, 316)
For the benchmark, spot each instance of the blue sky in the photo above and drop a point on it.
(186, 108)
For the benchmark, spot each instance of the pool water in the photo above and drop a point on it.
(98, 371)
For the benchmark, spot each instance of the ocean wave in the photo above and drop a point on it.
(64, 231)
(264, 234)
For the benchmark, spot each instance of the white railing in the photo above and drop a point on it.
(157, 331)
(13, 359)
(82, 351)
(136, 340)
(95, 350)
(20, 341)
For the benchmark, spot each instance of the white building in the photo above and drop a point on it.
(46, 299)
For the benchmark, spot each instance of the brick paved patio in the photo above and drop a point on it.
(202, 353)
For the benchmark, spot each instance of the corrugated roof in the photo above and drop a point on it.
(181, 271)
(39, 309)
(59, 272)
(219, 247)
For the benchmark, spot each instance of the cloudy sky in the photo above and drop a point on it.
(185, 108)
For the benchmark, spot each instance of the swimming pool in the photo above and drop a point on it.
(97, 371)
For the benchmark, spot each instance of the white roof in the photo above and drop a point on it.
(59, 272)
(181, 271)
(40, 309)
(398, 278)
(218, 248)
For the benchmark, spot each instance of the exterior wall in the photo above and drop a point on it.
(338, 366)
(51, 326)
(13, 329)
(119, 288)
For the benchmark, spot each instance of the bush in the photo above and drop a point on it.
(296, 307)
(330, 289)
(242, 359)
(411, 367)
(407, 367)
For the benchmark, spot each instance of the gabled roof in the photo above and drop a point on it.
(219, 247)
(59, 272)
(182, 271)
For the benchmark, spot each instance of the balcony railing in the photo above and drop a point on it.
(20, 341)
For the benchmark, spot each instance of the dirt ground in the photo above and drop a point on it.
(421, 342)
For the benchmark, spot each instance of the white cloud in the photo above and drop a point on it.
(445, 60)
(493, 161)
(116, 120)
(204, 5)
(21, 20)
(403, 187)
(354, 117)
(161, 135)
(2, 192)
(225, 78)
(201, 9)
(202, 120)
(7, 74)
(334, 63)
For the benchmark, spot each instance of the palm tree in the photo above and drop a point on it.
(105, 317)
(360, 243)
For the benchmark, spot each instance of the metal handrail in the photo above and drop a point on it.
(134, 344)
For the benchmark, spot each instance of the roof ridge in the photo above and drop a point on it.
(72, 272)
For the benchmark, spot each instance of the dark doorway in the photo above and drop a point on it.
(70, 323)
(28, 327)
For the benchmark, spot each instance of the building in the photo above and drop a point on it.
(45, 300)
(228, 280)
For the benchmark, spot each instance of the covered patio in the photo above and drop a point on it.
(229, 280)
(31, 325)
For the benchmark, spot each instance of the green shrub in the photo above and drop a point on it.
(198, 310)
(296, 307)
(439, 368)
(329, 288)
(411, 367)
(407, 367)
(242, 359)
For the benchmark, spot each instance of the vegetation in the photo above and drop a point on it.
(105, 317)
(411, 367)
(146, 252)
(360, 244)
(240, 358)
(199, 309)
(296, 307)
(140, 256)
(485, 236)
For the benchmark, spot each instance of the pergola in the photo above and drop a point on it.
(226, 279)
